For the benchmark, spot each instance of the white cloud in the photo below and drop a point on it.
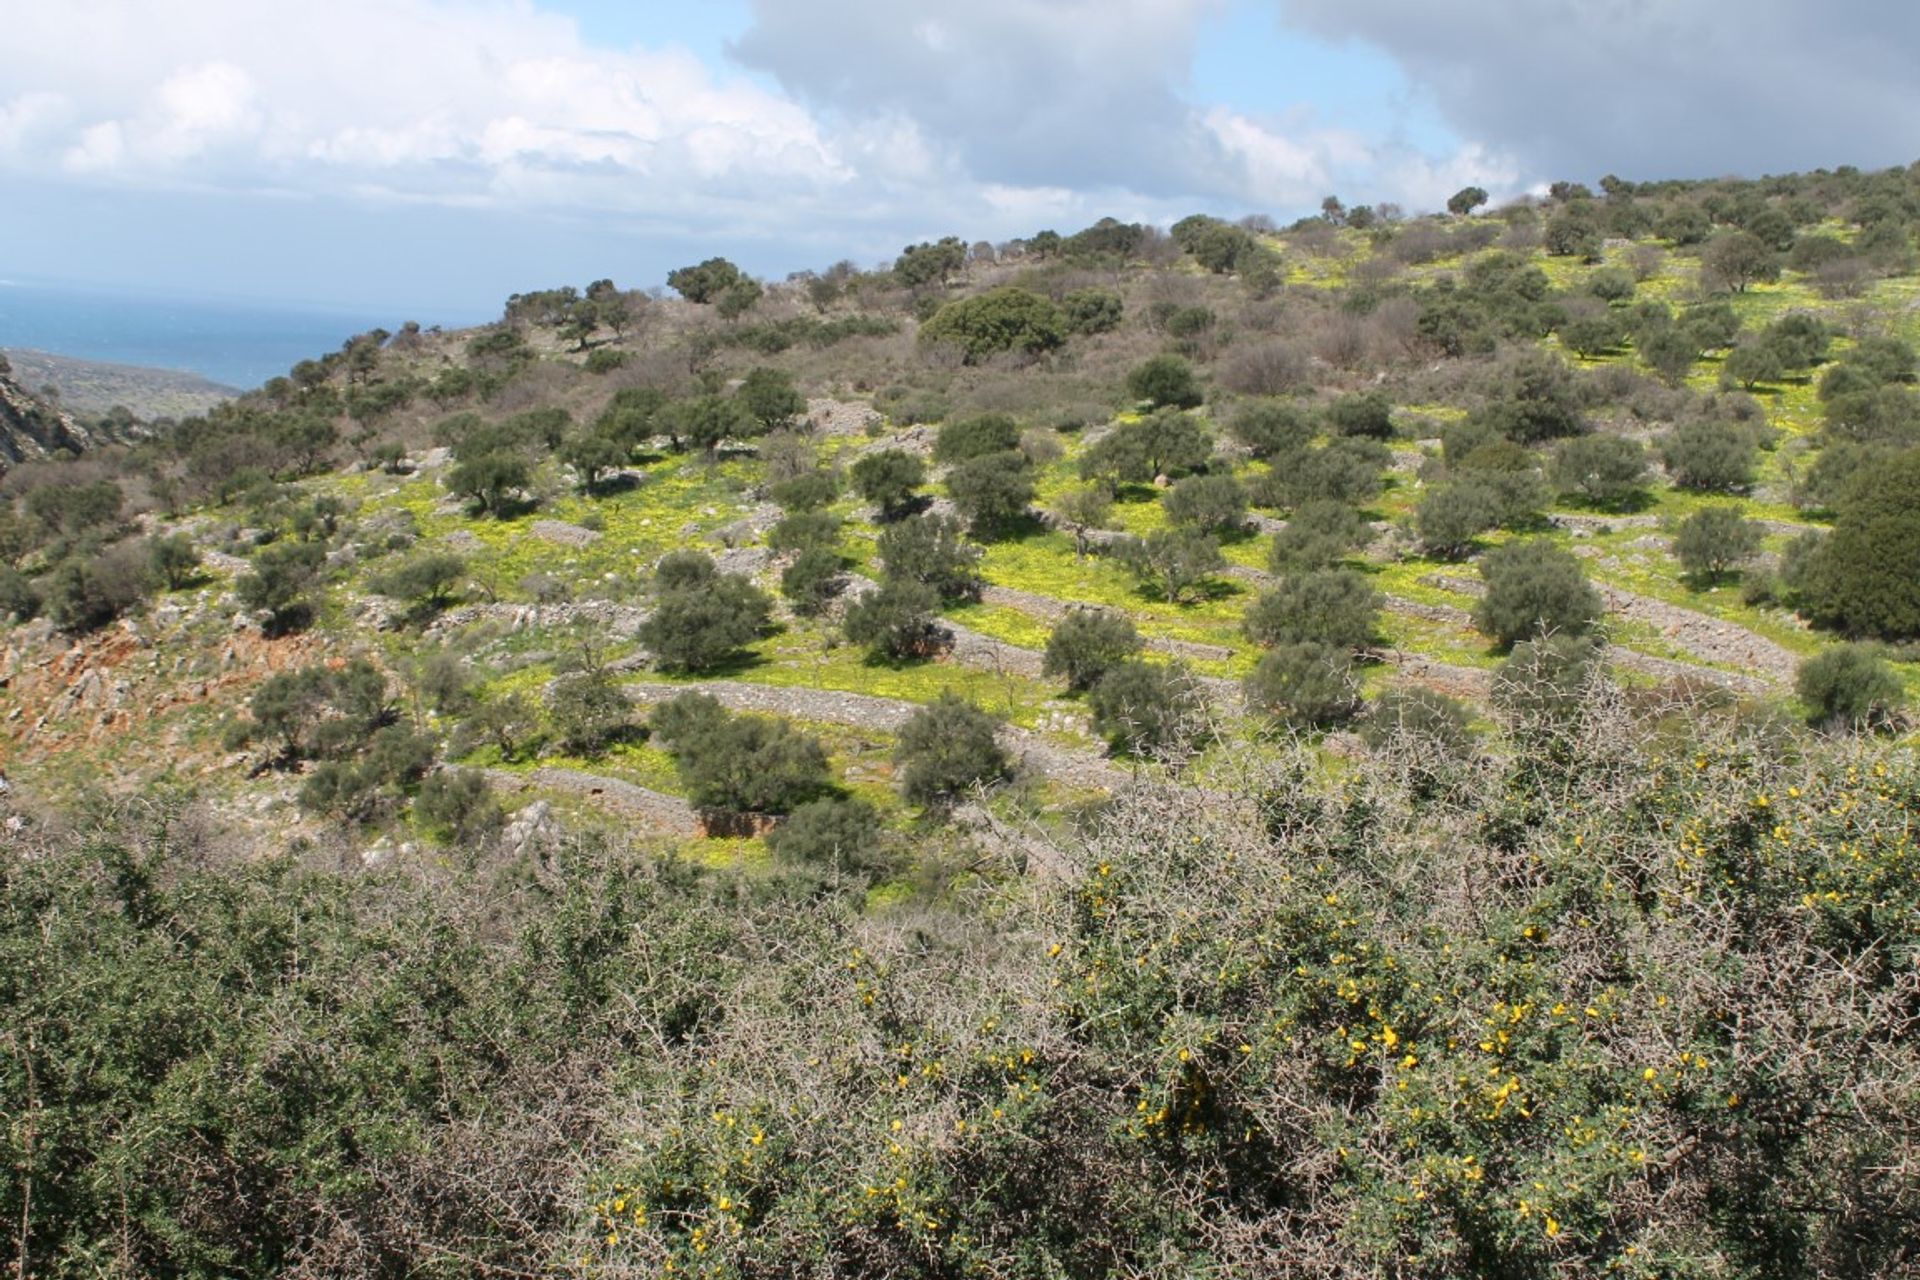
(882, 121)
(441, 99)
(1678, 88)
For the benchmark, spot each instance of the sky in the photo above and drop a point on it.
(434, 156)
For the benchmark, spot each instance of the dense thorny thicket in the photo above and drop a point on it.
(1610, 1002)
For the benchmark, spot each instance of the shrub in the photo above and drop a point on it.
(1213, 503)
(19, 597)
(1429, 727)
(684, 571)
(887, 479)
(1319, 536)
(457, 805)
(844, 835)
(173, 560)
(589, 712)
(1605, 470)
(698, 628)
(805, 530)
(1082, 510)
(606, 360)
(706, 281)
(1864, 577)
(975, 437)
(1176, 562)
(992, 491)
(1304, 684)
(897, 621)
(1002, 319)
(1091, 311)
(809, 491)
(282, 576)
(427, 580)
(932, 550)
(947, 748)
(1710, 455)
(740, 764)
(1165, 443)
(1714, 540)
(1271, 428)
(1336, 608)
(490, 481)
(1849, 687)
(85, 593)
(1450, 517)
(1534, 588)
(1346, 471)
(1544, 681)
(813, 581)
(1088, 643)
(1146, 708)
(1165, 382)
(1536, 400)
(1368, 414)
(320, 712)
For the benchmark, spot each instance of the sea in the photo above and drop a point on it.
(235, 342)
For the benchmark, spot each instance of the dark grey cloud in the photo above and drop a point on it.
(1655, 88)
(1055, 93)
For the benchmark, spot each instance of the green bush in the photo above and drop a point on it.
(1165, 382)
(805, 531)
(1607, 471)
(739, 764)
(1090, 311)
(888, 479)
(844, 835)
(281, 582)
(1849, 687)
(1271, 428)
(932, 550)
(898, 621)
(1428, 727)
(1161, 444)
(1710, 455)
(806, 492)
(946, 749)
(1864, 577)
(813, 581)
(1002, 319)
(976, 437)
(1088, 643)
(1147, 708)
(1713, 541)
(699, 628)
(1211, 503)
(1366, 413)
(1544, 681)
(1347, 471)
(1319, 536)
(589, 712)
(1336, 608)
(992, 491)
(1304, 685)
(1175, 562)
(1534, 588)
(1451, 516)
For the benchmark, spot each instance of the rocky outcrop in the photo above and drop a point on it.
(31, 429)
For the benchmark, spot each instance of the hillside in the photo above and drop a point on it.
(92, 388)
(1153, 702)
(30, 428)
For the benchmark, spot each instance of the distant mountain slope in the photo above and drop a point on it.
(90, 387)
